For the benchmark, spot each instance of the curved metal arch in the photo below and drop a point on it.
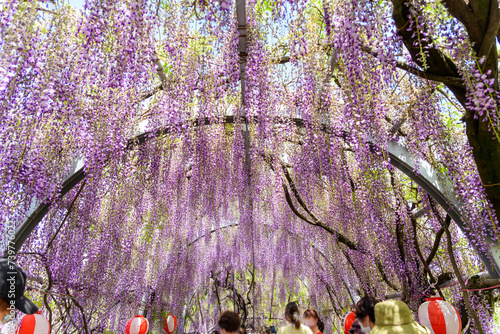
(420, 171)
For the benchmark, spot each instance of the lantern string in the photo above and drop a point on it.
(455, 283)
(488, 288)
(429, 295)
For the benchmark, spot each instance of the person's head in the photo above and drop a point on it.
(229, 322)
(312, 319)
(365, 312)
(394, 316)
(292, 314)
(12, 285)
(265, 330)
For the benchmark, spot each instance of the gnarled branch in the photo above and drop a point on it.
(317, 222)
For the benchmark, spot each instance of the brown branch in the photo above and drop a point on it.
(454, 265)
(341, 238)
(437, 241)
(44, 261)
(67, 307)
(252, 284)
(67, 214)
(491, 30)
(434, 59)
(283, 60)
(462, 12)
(316, 222)
(476, 282)
(327, 285)
(400, 237)
(460, 279)
(333, 268)
(62, 316)
(47, 11)
(380, 268)
(459, 108)
(447, 80)
(358, 275)
(77, 304)
(200, 309)
(439, 234)
(328, 289)
(297, 195)
(400, 240)
(147, 95)
(211, 231)
(436, 64)
(427, 269)
(45, 296)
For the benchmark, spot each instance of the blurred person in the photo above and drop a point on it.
(313, 321)
(292, 316)
(242, 330)
(215, 332)
(229, 322)
(265, 330)
(365, 316)
(394, 316)
(12, 286)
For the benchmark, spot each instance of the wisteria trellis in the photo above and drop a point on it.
(183, 210)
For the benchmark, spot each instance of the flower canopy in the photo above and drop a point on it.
(236, 154)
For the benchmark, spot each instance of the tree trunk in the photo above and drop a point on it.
(486, 150)
(481, 20)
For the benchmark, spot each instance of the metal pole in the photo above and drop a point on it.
(144, 300)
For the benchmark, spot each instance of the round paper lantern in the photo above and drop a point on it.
(170, 324)
(137, 325)
(33, 324)
(347, 320)
(439, 316)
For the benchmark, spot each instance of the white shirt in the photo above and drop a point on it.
(290, 329)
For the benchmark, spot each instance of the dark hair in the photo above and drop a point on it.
(266, 330)
(215, 332)
(230, 321)
(292, 313)
(242, 330)
(366, 307)
(310, 313)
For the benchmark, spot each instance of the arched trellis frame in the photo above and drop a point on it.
(420, 171)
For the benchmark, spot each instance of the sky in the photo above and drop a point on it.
(77, 3)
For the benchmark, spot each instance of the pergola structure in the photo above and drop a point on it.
(420, 171)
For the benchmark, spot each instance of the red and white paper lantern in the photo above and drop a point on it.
(347, 320)
(33, 324)
(137, 325)
(439, 316)
(170, 324)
